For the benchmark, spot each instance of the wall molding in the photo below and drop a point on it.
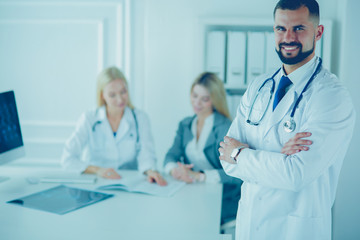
(107, 23)
(45, 139)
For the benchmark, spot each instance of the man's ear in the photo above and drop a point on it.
(319, 32)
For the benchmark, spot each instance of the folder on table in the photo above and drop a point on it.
(60, 199)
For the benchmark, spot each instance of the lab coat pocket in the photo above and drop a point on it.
(305, 228)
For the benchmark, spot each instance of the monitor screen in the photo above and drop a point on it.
(11, 142)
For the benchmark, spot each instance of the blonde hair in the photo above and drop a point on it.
(216, 89)
(106, 76)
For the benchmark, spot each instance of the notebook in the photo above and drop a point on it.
(138, 183)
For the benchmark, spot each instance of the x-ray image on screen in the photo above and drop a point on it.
(10, 132)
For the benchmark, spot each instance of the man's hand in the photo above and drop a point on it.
(297, 144)
(226, 148)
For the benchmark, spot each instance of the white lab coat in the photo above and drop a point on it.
(93, 143)
(290, 197)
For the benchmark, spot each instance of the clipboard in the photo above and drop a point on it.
(60, 199)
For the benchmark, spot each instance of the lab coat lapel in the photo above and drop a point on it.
(102, 118)
(100, 114)
(188, 135)
(299, 79)
(124, 125)
(122, 130)
(285, 106)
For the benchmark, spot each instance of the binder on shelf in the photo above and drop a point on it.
(215, 54)
(236, 56)
(272, 60)
(256, 54)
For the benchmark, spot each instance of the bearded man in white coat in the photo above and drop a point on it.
(289, 148)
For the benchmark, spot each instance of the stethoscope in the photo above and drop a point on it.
(289, 125)
(137, 144)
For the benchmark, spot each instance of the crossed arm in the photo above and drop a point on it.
(294, 145)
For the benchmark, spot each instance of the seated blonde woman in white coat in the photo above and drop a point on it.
(113, 136)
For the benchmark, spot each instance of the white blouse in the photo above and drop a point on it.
(195, 151)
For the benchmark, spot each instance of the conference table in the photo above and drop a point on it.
(191, 213)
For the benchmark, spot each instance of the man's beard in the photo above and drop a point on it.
(298, 58)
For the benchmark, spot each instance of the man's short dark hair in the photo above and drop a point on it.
(312, 5)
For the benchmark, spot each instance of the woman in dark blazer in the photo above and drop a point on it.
(194, 154)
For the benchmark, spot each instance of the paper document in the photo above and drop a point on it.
(139, 184)
(79, 179)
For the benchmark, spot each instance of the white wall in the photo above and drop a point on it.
(347, 203)
(51, 52)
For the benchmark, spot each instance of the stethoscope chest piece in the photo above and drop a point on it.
(289, 125)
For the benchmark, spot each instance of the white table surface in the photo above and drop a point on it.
(192, 213)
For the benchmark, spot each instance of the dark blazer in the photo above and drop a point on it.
(231, 188)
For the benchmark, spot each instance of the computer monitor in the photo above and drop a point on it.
(11, 142)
